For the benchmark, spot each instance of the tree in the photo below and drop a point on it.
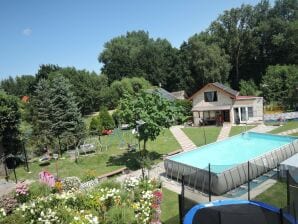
(138, 55)
(42, 113)
(248, 88)
(233, 32)
(203, 63)
(150, 114)
(105, 119)
(86, 87)
(9, 123)
(65, 117)
(280, 85)
(55, 112)
(111, 95)
(155, 111)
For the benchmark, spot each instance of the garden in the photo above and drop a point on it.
(132, 201)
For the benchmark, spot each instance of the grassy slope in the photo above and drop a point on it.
(197, 134)
(287, 126)
(102, 162)
(169, 207)
(275, 195)
(238, 129)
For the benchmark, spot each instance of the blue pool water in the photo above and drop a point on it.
(232, 151)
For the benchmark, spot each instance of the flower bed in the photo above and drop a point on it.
(133, 201)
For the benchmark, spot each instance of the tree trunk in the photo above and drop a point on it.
(60, 150)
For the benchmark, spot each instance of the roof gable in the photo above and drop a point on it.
(231, 92)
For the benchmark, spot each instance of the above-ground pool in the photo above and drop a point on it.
(228, 160)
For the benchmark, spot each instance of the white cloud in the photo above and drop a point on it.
(27, 32)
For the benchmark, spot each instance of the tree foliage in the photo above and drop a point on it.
(56, 113)
(137, 55)
(105, 119)
(280, 84)
(9, 123)
(248, 88)
(151, 108)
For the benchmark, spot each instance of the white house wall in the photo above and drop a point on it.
(222, 99)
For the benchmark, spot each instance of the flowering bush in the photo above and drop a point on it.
(135, 201)
(22, 192)
(71, 184)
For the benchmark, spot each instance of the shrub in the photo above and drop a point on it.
(120, 215)
(95, 126)
(106, 119)
(71, 183)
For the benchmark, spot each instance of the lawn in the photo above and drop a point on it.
(238, 129)
(287, 126)
(197, 134)
(169, 207)
(104, 161)
(275, 195)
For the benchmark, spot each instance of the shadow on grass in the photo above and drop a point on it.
(172, 220)
(131, 159)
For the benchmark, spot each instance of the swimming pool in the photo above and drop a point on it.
(228, 160)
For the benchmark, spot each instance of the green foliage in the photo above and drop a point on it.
(55, 111)
(38, 189)
(203, 63)
(136, 54)
(105, 119)
(86, 87)
(111, 95)
(120, 215)
(248, 88)
(9, 122)
(19, 86)
(155, 111)
(185, 109)
(280, 85)
(95, 126)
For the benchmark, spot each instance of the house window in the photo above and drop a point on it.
(250, 112)
(210, 96)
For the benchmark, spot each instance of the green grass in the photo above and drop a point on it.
(286, 126)
(275, 195)
(104, 161)
(164, 143)
(197, 134)
(169, 207)
(295, 134)
(238, 129)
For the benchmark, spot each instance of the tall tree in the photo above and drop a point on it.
(9, 122)
(42, 113)
(138, 55)
(203, 63)
(66, 118)
(233, 32)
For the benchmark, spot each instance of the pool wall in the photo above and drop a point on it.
(231, 178)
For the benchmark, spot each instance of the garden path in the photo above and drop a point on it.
(289, 132)
(181, 137)
(8, 186)
(263, 128)
(225, 131)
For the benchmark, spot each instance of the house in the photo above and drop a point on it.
(180, 95)
(216, 102)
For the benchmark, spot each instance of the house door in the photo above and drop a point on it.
(226, 115)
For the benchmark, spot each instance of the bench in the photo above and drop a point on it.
(115, 172)
(172, 153)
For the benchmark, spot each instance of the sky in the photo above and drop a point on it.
(73, 32)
